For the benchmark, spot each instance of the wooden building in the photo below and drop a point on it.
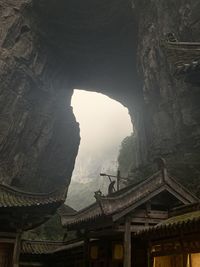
(38, 253)
(21, 211)
(184, 58)
(176, 241)
(108, 226)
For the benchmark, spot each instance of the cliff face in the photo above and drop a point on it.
(48, 48)
(171, 107)
(39, 136)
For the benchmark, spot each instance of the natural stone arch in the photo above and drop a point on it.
(47, 49)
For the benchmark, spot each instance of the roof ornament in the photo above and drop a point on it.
(98, 196)
(111, 188)
(161, 163)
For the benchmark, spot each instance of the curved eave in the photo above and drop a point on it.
(189, 222)
(121, 202)
(12, 197)
(83, 216)
(40, 247)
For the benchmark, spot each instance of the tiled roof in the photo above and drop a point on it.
(12, 197)
(48, 247)
(70, 245)
(40, 247)
(65, 209)
(181, 219)
(131, 196)
(87, 214)
(187, 221)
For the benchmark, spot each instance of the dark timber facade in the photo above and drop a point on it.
(108, 227)
(118, 230)
(176, 241)
(21, 211)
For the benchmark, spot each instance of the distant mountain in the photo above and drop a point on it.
(81, 195)
(86, 178)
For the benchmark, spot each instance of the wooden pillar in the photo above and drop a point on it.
(149, 254)
(17, 250)
(127, 243)
(86, 252)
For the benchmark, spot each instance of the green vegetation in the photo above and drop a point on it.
(51, 230)
(185, 170)
(81, 195)
(126, 155)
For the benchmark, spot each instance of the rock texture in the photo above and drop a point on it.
(171, 112)
(38, 133)
(47, 48)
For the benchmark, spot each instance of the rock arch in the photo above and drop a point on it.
(48, 48)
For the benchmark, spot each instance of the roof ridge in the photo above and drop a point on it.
(81, 211)
(12, 197)
(182, 186)
(15, 190)
(43, 241)
(130, 189)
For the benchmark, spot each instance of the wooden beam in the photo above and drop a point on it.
(187, 196)
(178, 195)
(127, 243)
(137, 204)
(145, 220)
(105, 232)
(149, 255)
(133, 228)
(38, 264)
(153, 214)
(17, 249)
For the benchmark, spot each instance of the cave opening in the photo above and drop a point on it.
(104, 123)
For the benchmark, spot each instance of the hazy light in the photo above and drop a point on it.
(104, 123)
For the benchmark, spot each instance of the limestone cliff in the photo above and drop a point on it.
(38, 133)
(47, 48)
(171, 107)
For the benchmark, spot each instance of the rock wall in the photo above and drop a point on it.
(171, 107)
(39, 136)
(48, 48)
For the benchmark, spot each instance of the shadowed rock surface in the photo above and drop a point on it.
(48, 48)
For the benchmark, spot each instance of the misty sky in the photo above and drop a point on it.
(104, 123)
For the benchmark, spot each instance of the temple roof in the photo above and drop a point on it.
(181, 219)
(126, 200)
(23, 211)
(39, 247)
(48, 247)
(186, 221)
(65, 209)
(12, 197)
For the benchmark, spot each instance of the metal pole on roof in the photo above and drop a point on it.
(118, 180)
(118, 177)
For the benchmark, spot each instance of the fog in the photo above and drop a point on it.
(104, 123)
